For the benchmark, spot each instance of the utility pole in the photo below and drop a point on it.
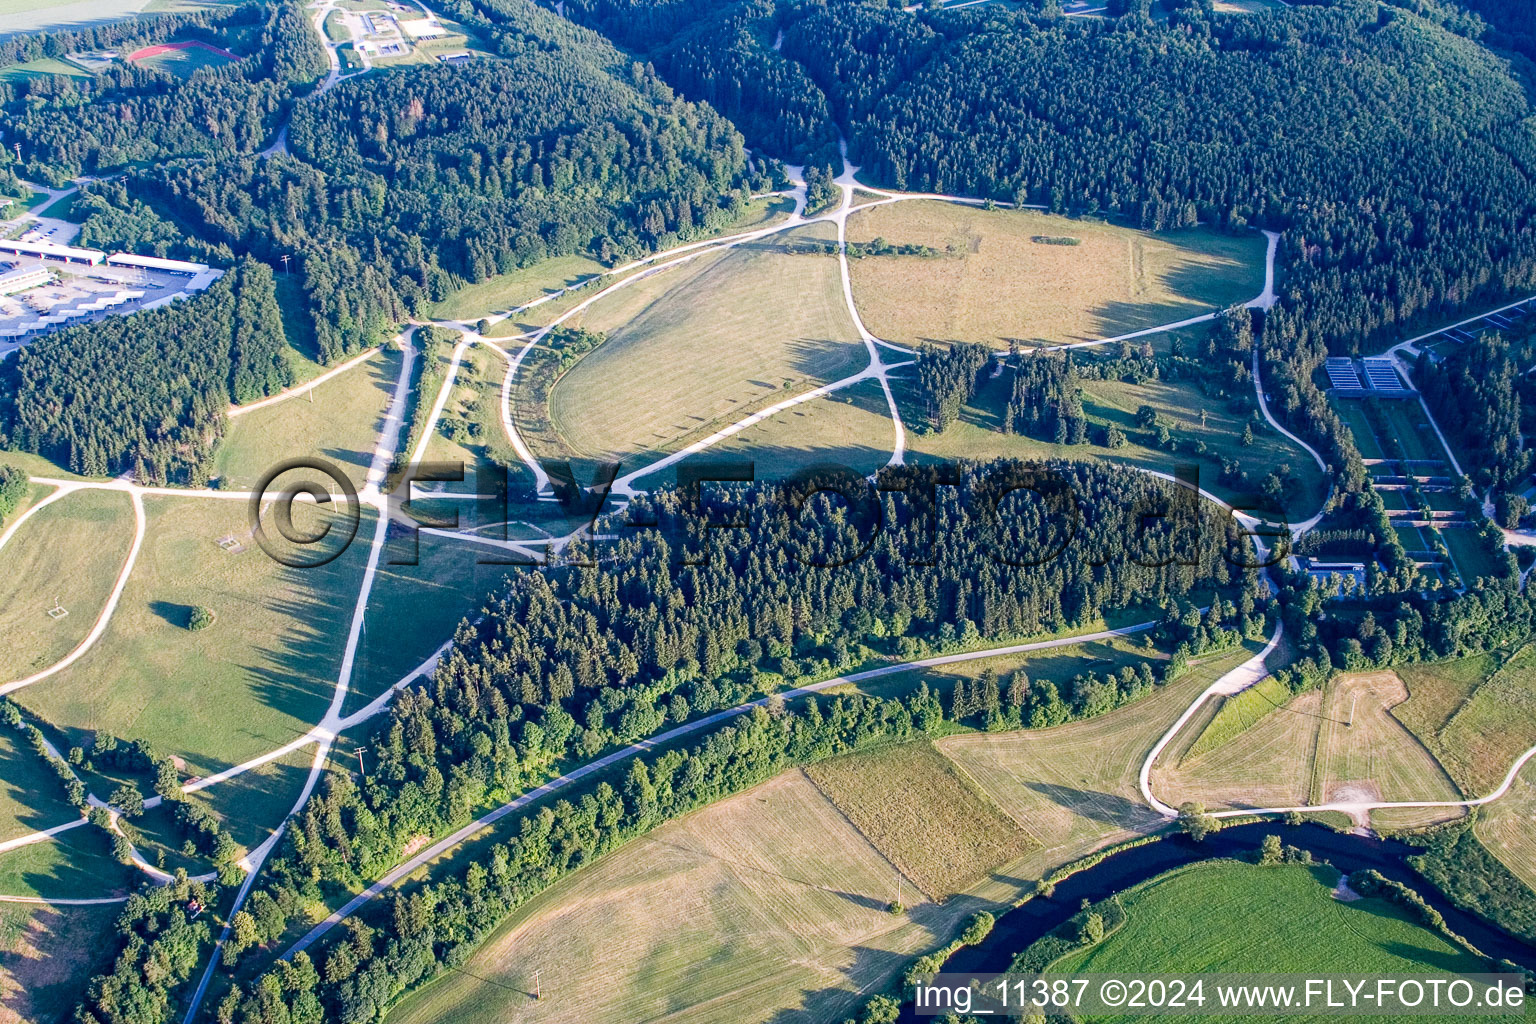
(537, 993)
(1351, 723)
(360, 769)
(284, 257)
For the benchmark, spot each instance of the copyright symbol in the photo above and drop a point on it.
(1112, 992)
(300, 548)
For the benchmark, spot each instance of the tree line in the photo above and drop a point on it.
(148, 393)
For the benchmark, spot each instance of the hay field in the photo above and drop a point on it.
(1507, 827)
(923, 813)
(766, 906)
(704, 345)
(1074, 787)
(1376, 757)
(45, 954)
(999, 285)
(254, 680)
(1267, 764)
(1496, 724)
(71, 551)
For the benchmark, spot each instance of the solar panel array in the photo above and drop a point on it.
(1382, 376)
(1342, 376)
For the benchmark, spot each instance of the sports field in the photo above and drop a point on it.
(923, 814)
(1226, 916)
(71, 552)
(996, 283)
(702, 345)
(44, 952)
(257, 678)
(338, 421)
(182, 59)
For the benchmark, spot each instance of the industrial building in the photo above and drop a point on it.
(22, 278)
(128, 259)
(52, 251)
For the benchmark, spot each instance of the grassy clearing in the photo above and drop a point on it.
(252, 804)
(1496, 724)
(1058, 664)
(258, 677)
(1365, 753)
(1436, 691)
(338, 420)
(1472, 557)
(1507, 827)
(923, 813)
(31, 795)
(1000, 284)
(849, 428)
(759, 213)
(46, 954)
(1352, 412)
(45, 67)
(978, 434)
(727, 335)
(1405, 421)
(470, 431)
(72, 551)
(765, 906)
(1228, 916)
(508, 291)
(72, 864)
(302, 350)
(412, 609)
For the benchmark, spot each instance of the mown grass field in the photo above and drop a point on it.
(71, 864)
(1472, 557)
(1365, 753)
(757, 214)
(414, 608)
(1494, 726)
(709, 343)
(31, 795)
(1074, 787)
(1507, 827)
(764, 907)
(923, 814)
(508, 291)
(44, 954)
(254, 680)
(1226, 916)
(978, 434)
(1437, 690)
(72, 551)
(999, 285)
(850, 428)
(338, 421)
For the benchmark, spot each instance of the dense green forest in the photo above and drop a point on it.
(131, 114)
(570, 662)
(175, 370)
(1195, 118)
(399, 186)
(1475, 394)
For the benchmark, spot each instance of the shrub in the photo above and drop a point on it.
(201, 618)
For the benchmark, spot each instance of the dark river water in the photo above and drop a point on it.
(1019, 927)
